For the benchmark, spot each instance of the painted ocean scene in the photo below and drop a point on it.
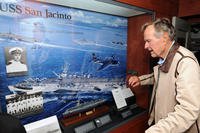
(73, 56)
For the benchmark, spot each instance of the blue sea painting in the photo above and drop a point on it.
(73, 56)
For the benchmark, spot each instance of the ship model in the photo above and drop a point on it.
(84, 111)
(82, 107)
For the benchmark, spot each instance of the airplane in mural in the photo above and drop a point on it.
(85, 42)
(106, 62)
(119, 43)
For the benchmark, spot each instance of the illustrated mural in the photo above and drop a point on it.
(73, 57)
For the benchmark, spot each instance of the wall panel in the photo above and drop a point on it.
(162, 8)
(138, 58)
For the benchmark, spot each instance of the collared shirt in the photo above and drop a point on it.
(16, 67)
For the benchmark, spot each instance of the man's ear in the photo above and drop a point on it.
(165, 37)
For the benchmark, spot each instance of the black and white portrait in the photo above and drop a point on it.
(15, 61)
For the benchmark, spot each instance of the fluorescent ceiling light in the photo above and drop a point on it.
(11, 1)
(102, 6)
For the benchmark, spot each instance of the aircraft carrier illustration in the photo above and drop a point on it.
(75, 87)
(65, 81)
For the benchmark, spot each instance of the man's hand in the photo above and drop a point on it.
(133, 81)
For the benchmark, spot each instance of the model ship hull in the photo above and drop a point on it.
(83, 107)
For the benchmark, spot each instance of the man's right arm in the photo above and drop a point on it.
(147, 79)
(134, 81)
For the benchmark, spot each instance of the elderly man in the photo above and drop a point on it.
(175, 101)
(15, 64)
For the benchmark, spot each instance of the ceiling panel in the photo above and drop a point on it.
(103, 6)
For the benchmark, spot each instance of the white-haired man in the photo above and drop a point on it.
(175, 102)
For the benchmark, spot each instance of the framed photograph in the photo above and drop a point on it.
(47, 125)
(15, 61)
(25, 104)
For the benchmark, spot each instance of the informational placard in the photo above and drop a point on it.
(119, 98)
(47, 125)
(126, 92)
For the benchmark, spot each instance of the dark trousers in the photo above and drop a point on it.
(10, 124)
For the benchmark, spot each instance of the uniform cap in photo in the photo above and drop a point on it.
(15, 50)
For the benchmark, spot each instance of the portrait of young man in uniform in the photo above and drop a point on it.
(15, 61)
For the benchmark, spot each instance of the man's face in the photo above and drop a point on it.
(17, 57)
(154, 44)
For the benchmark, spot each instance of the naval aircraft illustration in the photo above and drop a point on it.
(106, 62)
